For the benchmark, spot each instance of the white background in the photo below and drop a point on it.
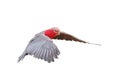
(95, 21)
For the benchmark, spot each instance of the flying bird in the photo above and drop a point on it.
(41, 45)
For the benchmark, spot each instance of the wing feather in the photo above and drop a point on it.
(37, 53)
(41, 53)
(42, 47)
(40, 50)
(52, 54)
(46, 57)
(45, 53)
(43, 56)
(66, 36)
(55, 51)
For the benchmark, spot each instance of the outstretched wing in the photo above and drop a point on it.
(42, 47)
(65, 36)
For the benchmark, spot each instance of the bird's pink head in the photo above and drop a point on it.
(52, 32)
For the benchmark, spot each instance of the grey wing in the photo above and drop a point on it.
(46, 50)
(42, 48)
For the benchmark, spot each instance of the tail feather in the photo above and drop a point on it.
(21, 57)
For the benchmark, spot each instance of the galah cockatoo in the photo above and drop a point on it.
(42, 47)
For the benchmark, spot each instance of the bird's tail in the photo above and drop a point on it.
(21, 57)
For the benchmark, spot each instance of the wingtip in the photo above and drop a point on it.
(18, 60)
(94, 44)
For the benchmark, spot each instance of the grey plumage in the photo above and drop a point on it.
(41, 47)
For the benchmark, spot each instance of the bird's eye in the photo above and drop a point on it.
(55, 31)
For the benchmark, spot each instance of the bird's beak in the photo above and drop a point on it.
(58, 33)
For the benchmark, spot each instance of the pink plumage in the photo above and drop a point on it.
(42, 47)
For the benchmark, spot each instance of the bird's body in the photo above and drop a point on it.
(42, 47)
